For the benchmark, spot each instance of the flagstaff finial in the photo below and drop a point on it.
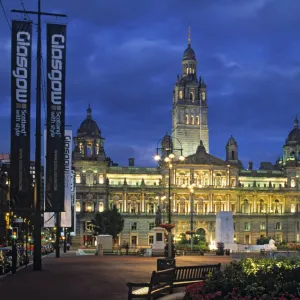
(189, 35)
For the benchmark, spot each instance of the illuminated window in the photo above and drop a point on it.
(192, 96)
(89, 178)
(97, 149)
(78, 206)
(101, 179)
(78, 178)
(186, 119)
(192, 120)
(81, 148)
(180, 95)
(262, 226)
(293, 184)
(197, 120)
(293, 208)
(101, 207)
(89, 207)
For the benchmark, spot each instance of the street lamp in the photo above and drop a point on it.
(167, 158)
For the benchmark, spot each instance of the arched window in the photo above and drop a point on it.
(180, 94)
(192, 120)
(101, 207)
(89, 207)
(186, 119)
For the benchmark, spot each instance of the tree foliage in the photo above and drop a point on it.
(108, 222)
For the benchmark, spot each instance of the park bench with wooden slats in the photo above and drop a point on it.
(160, 283)
(192, 274)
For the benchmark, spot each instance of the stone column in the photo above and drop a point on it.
(142, 202)
(125, 201)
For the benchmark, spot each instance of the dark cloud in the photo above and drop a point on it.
(123, 58)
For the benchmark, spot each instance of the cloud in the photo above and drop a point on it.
(123, 59)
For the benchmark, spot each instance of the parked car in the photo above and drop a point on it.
(4, 263)
(8, 253)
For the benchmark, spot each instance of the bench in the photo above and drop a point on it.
(192, 274)
(160, 283)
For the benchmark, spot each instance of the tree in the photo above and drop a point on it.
(108, 222)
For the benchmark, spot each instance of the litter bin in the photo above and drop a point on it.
(227, 251)
(165, 263)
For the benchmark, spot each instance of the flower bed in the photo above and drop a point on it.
(251, 279)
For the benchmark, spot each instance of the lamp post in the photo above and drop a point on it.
(167, 157)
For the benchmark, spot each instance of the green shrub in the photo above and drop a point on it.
(251, 278)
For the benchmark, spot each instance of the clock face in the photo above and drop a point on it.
(203, 96)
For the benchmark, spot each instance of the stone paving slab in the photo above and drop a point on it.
(86, 277)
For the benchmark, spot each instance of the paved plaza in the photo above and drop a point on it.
(82, 277)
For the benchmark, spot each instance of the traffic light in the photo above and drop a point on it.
(29, 237)
(14, 234)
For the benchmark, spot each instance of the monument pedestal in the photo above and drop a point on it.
(158, 245)
(225, 230)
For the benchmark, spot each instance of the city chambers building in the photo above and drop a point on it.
(264, 202)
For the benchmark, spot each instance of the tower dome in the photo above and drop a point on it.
(189, 53)
(294, 135)
(89, 127)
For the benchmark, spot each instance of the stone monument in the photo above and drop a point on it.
(225, 230)
(158, 237)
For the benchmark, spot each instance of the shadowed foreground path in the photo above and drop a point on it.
(82, 277)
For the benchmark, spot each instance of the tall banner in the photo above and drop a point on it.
(56, 73)
(49, 217)
(66, 216)
(73, 195)
(20, 178)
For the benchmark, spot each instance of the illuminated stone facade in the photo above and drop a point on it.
(263, 202)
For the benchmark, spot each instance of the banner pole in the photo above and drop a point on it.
(57, 248)
(37, 255)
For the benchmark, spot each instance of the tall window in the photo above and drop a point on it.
(151, 225)
(78, 178)
(78, 206)
(134, 226)
(151, 239)
(262, 226)
(278, 226)
(89, 207)
(180, 95)
(101, 207)
(197, 120)
(192, 120)
(247, 226)
(186, 119)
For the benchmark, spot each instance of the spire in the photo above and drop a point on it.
(89, 112)
(296, 123)
(189, 36)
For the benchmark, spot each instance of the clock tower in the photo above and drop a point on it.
(189, 112)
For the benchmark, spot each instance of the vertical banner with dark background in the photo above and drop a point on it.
(55, 154)
(20, 179)
(66, 216)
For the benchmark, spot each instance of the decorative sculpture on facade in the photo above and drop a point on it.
(158, 216)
